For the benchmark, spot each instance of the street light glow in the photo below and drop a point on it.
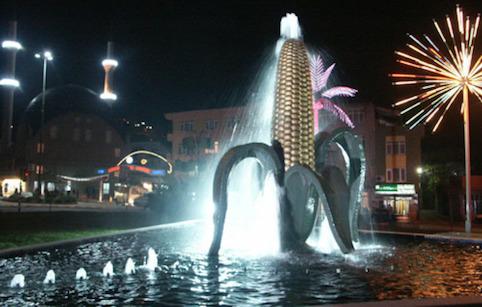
(108, 96)
(110, 62)
(9, 82)
(48, 55)
(419, 170)
(45, 55)
(10, 44)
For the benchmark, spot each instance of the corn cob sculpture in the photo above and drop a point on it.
(313, 191)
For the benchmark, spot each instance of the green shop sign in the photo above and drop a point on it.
(395, 189)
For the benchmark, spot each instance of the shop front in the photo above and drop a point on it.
(399, 199)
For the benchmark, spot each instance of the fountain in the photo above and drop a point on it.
(151, 263)
(18, 281)
(50, 277)
(310, 190)
(130, 267)
(81, 274)
(298, 200)
(108, 270)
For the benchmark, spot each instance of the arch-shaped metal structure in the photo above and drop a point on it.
(150, 153)
(354, 177)
(267, 158)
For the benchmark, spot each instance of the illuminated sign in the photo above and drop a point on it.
(158, 172)
(395, 189)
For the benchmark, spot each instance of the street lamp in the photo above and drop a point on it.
(420, 172)
(46, 56)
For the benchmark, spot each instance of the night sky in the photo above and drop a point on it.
(182, 55)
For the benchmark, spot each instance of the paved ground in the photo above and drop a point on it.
(432, 226)
(438, 229)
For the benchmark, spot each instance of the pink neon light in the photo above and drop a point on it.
(325, 104)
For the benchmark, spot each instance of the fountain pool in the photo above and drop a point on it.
(394, 269)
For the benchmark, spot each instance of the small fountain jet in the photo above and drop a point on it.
(18, 281)
(311, 189)
(108, 270)
(50, 277)
(81, 274)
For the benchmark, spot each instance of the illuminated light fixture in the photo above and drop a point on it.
(419, 170)
(11, 44)
(46, 55)
(110, 62)
(9, 82)
(109, 65)
(144, 161)
(129, 160)
(108, 96)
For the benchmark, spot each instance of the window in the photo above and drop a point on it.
(396, 174)
(389, 175)
(389, 148)
(108, 136)
(88, 135)
(403, 175)
(39, 169)
(395, 147)
(53, 132)
(40, 147)
(356, 116)
(117, 152)
(76, 135)
(187, 126)
(211, 124)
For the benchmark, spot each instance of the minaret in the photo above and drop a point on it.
(293, 114)
(109, 64)
(9, 83)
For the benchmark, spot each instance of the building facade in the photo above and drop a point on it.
(73, 145)
(198, 135)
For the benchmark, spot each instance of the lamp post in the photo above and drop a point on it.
(419, 171)
(46, 56)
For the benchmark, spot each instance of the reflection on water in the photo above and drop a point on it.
(185, 275)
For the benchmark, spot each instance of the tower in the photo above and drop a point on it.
(9, 83)
(109, 64)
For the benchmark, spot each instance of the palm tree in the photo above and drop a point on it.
(322, 94)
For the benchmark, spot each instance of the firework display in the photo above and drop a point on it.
(444, 68)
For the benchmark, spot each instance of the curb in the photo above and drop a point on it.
(17, 251)
(453, 237)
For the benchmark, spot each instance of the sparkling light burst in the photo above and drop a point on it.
(441, 73)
